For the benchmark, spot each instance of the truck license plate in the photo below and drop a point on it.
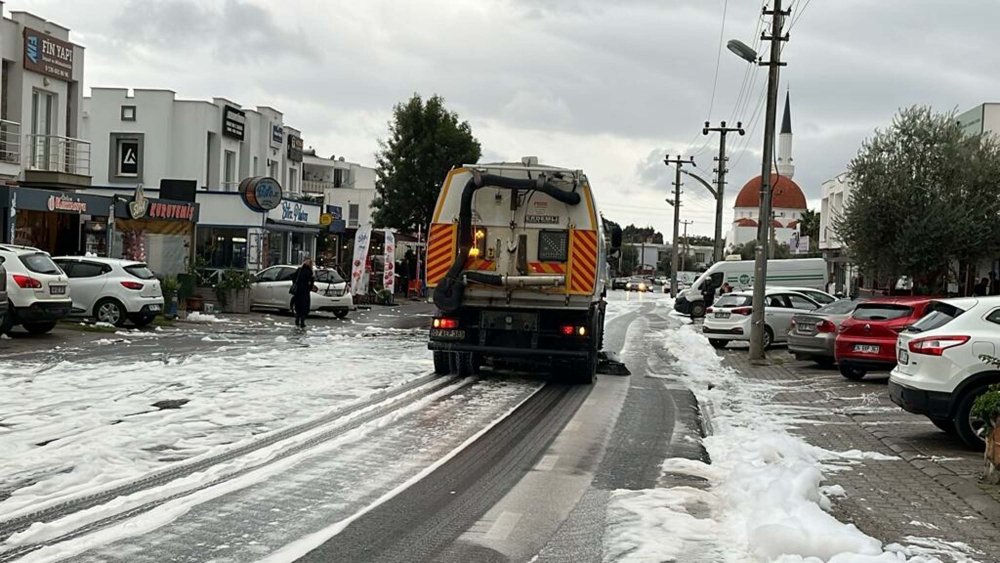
(866, 348)
(57, 289)
(447, 334)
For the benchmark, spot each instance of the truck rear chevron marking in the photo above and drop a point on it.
(583, 261)
(440, 251)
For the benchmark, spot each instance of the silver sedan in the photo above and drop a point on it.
(813, 334)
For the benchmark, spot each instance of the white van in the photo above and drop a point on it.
(797, 272)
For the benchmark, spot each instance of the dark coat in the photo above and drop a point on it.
(304, 281)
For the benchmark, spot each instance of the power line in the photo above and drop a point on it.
(718, 58)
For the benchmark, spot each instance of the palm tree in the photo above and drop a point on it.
(809, 226)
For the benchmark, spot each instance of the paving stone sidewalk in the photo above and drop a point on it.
(929, 496)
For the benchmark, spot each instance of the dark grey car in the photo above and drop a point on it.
(813, 334)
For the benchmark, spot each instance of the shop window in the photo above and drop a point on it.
(229, 180)
(353, 211)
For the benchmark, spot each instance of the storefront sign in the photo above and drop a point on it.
(176, 211)
(67, 204)
(325, 219)
(359, 281)
(139, 205)
(277, 135)
(336, 211)
(389, 258)
(294, 212)
(128, 157)
(47, 55)
(294, 148)
(261, 193)
(233, 123)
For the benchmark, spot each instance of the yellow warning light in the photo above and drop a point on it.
(480, 234)
(473, 252)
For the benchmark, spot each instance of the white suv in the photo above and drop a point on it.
(940, 368)
(113, 290)
(37, 290)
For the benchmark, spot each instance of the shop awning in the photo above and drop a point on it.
(283, 227)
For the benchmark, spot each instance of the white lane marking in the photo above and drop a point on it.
(547, 463)
(572, 426)
(504, 525)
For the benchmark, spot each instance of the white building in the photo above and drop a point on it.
(149, 136)
(346, 187)
(984, 118)
(836, 194)
(787, 200)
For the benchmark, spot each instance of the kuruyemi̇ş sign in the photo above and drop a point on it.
(261, 193)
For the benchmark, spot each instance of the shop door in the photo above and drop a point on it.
(42, 127)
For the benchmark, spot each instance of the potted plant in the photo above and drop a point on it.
(987, 409)
(233, 291)
(170, 286)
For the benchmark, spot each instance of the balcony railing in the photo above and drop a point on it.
(315, 187)
(10, 142)
(51, 153)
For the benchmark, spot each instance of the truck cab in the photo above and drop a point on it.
(517, 265)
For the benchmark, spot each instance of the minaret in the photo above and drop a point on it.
(786, 167)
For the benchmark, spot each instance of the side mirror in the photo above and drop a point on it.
(616, 237)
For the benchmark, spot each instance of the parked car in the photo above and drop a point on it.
(619, 283)
(866, 341)
(817, 295)
(640, 284)
(940, 372)
(270, 289)
(112, 290)
(728, 319)
(38, 292)
(813, 335)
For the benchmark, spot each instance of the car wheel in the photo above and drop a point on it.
(970, 429)
(142, 320)
(39, 328)
(442, 365)
(852, 373)
(110, 311)
(768, 338)
(717, 343)
(945, 424)
(697, 310)
(340, 314)
(7, 320)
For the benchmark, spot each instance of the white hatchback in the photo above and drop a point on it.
(113, 290)
(728, 319)
(37, 290)
(940, 368)
(271, 289)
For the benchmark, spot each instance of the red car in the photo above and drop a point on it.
(867, 339)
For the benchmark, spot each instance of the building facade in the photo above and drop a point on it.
(346, 190)
(149, 137)
(836, 193)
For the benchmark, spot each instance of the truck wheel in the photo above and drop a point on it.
(585, 371)
(464, 364)
(697, 310)
(441, 364)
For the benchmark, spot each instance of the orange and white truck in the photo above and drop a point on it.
(517, 262)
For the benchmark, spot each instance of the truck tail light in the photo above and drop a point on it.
(132, 285)
(446, 323)
(26, 282)
(825, 326)
(742, 311)
(570, 330)
(936, 345)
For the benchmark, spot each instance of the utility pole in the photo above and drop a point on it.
(678, 163)
(774, 65)
(720, 180)
(687, 245)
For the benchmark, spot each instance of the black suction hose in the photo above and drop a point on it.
(450, 290)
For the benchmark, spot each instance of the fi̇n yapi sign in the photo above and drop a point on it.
(47, 55)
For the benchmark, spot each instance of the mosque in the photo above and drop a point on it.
(787, 200)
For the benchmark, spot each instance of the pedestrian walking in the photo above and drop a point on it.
(302, 287)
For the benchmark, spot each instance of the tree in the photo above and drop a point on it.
(923, 196)
(809, 227)
(697, 240)
(630, 259)
(425, 141)
(631, 233)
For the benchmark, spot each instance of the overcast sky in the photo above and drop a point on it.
(609, 87)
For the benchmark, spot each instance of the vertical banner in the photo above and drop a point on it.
(362, 239)
(389, 277)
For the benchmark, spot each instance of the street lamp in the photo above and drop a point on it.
(774, 63)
